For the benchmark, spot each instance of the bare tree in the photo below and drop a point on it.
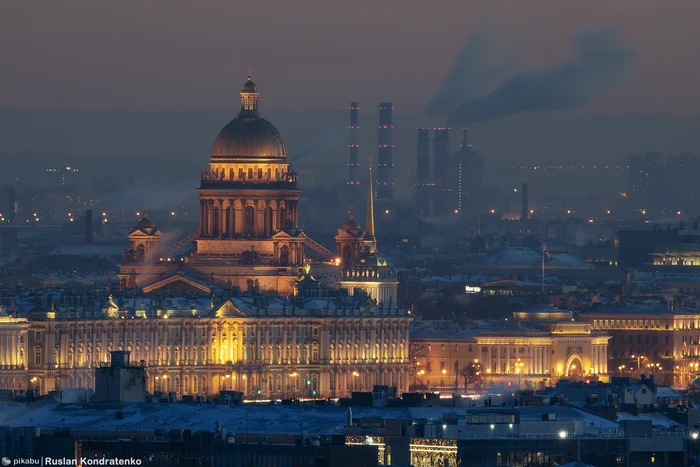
(417, 353)
(471, 373)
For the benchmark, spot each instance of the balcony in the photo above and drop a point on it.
(214, 180)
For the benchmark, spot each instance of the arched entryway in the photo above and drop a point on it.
(574, 367)
(347, 254)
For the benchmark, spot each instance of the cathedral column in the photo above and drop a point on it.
(259, 220)
(222, 218)
(231, 219)
(13, 348)
(210, 218)
(489, 357)
(507, 359)
(201, 218)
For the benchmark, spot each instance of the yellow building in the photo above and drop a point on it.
(264, 347)
(537, 353)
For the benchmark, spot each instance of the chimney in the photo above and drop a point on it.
(88, 226)
(525, 214)
(385, 151)
(354, 148)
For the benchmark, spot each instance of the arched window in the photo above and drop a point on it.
(249, 218)
(269, 224)
(140, 252)
(284, 255)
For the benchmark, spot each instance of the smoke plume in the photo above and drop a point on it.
(597, 67)
(471, 74)
(334, 138)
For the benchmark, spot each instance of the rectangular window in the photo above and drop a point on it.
(442, 347)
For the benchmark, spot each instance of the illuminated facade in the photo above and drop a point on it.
(651, 340)
(678, 255)
(248, 235)
(548, 352)
(266, 348)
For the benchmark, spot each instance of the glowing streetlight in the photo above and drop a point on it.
(563, 434)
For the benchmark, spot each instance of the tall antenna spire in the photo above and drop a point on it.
(369, 228)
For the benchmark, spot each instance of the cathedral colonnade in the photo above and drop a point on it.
(225, 217)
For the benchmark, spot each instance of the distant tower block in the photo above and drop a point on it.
(423, 169)
(353, 147)
(441, 160)
(385, 158)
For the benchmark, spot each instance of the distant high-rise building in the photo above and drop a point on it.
(353, 147)
(385, 149)
(470, 176)
(63, 176)
(423, 180)
(646, 175)
(441, 172)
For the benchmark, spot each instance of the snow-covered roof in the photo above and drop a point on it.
(255, 418)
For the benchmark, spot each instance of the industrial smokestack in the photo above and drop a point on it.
(525, 214)
(385, 152)
(353, 147)
(88, 226)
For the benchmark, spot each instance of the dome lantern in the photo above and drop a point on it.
(249, 98)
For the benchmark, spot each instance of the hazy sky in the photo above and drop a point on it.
(185, 54)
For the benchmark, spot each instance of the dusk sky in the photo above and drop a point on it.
(181, 54)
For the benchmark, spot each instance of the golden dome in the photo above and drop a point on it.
(246, 137)
(249, 135)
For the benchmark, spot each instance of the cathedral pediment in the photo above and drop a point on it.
(229, 310)
(178, 284)
(283, 235)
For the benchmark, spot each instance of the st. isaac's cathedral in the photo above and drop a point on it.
(248, 235)
(242, 311)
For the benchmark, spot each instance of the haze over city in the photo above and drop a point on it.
(342, 234)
